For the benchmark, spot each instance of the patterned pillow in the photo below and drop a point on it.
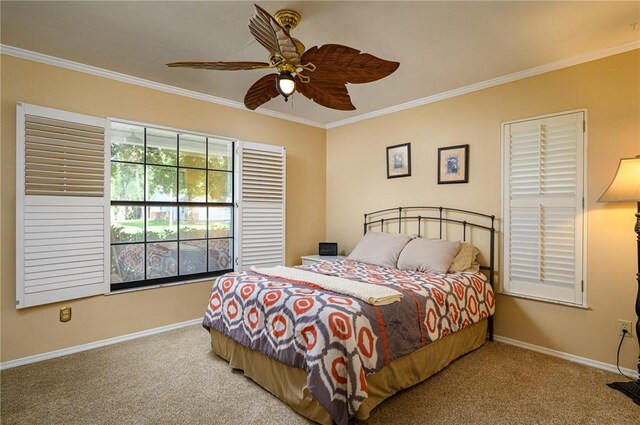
(379, 248)
(428, 255)
(465, 259)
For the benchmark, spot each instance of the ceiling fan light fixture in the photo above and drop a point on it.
(285, 84)
(333, 65)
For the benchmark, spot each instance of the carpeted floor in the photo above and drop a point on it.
(173, 378)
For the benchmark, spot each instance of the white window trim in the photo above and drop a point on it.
(504, 151)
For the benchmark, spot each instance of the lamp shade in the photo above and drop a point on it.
(625, 186)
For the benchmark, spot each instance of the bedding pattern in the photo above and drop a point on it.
(337, 339)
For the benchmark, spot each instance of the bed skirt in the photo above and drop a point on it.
(289, 383)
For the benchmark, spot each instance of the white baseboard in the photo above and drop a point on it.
(91, 345)
(566, 356)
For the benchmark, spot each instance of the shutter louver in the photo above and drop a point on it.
(525, 163)
(262, 176)
(559, 160)
(525, 250)
(262, 205)
(63, 158)
(543, 220)
(558, 246)
(61, 219)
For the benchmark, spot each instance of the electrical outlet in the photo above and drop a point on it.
(65, 314)
(624, 325)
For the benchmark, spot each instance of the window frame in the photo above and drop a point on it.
(581, 287)
(117, 287)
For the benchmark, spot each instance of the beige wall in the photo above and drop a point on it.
(609, 89)
(355, 183)
(37, 330)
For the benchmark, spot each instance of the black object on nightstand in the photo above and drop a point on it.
(328, 249)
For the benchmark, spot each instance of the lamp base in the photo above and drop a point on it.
(630, 388)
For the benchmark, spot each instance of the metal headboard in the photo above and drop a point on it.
(422, 216)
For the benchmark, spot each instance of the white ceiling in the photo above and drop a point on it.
(441, 46)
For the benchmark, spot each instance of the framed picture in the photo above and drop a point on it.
(399, 161)
(453, 164)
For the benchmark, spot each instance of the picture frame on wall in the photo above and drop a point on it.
(453, 164)
(399, 161)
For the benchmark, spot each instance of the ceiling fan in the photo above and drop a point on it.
(319, 73)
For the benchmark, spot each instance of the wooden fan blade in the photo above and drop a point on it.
(221, 66)
(261, 91)
(268, 32)
(329, 93)
(343, 63)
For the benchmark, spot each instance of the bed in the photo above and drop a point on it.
(332, 356)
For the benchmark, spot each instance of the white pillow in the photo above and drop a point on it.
(379, 248)
(428, 255)
(465, 259)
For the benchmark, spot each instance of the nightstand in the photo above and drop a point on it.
(312, 259)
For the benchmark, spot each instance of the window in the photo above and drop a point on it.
(543, 175)
(172, 214)
(103, 206)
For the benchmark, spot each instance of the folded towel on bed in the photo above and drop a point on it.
(368, 292)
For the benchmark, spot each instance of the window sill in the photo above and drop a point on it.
(544, 300)
(162, 285)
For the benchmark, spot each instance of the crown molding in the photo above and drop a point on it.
(112, 75)
(554, 66)
(565, 63)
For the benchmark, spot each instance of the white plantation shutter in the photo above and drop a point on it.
(542, 207)
(61, 206)
(261, 205)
